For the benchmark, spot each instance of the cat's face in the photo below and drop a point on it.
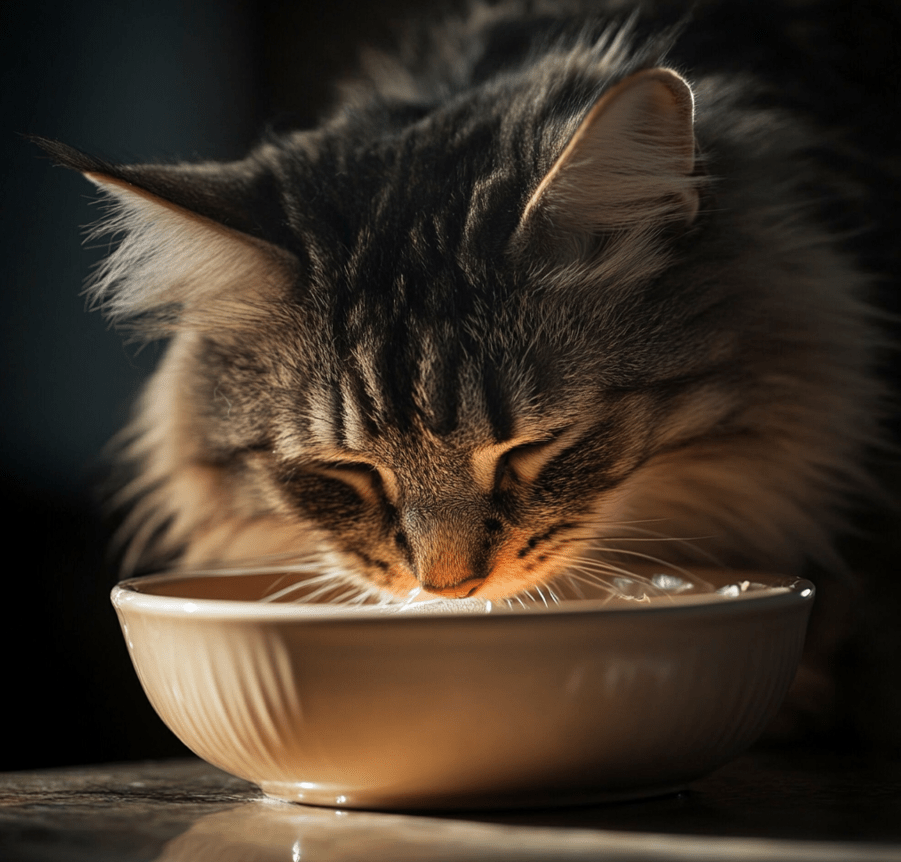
(471, 453)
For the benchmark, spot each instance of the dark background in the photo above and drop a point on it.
(138, 81)
(132, 81)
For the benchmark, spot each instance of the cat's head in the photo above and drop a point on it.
(453, 347)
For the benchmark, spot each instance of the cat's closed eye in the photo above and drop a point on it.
(365, 479)
(524, 462)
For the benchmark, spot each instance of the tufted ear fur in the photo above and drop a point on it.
(629, 164)
(187, 256)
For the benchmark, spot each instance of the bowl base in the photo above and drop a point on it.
(386, 801)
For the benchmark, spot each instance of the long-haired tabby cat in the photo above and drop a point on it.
(552, 288)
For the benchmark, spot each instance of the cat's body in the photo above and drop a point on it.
(553, 289)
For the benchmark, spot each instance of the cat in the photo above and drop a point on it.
(548, 291)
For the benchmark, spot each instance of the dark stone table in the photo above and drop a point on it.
(785, 806)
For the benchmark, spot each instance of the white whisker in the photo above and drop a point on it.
(656, 560)
(589, 563)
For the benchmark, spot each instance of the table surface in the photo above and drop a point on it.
(786, 806)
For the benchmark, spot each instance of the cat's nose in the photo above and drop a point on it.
(457, 591)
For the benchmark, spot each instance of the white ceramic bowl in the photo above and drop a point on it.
(370, 707)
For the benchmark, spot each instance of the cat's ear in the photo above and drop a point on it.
(629, 164)
(191, 250)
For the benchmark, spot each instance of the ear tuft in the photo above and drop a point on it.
(175, 269)
(193, 248)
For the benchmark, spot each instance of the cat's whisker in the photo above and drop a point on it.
(641, 526)
(276, 585)
(614, 579)
(251, 569)
(577, 588)
(606, 565)
(620, 583)
(591, 564)
(652, 559)
(329, 590)
(345, 597)
(693, 544)
(278, 595)
(312, 597)
(575, 579)
(325, 582)
(601, 541)
(634, 524)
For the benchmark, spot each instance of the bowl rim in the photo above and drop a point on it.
(783, 591)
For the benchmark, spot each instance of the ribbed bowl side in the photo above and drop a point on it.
(228, 692)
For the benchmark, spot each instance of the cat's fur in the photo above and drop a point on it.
(547, 286)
